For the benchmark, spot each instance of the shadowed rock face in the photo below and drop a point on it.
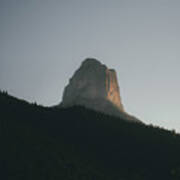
(94, 86)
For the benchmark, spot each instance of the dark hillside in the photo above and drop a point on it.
(78, 143)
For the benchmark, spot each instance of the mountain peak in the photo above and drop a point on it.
(91, 61)
(94, 86)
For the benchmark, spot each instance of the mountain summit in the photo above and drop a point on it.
(94, 86)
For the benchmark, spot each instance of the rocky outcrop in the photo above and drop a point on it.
(112, 88)
(94, 86)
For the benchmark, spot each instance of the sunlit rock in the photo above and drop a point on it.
(94, 86)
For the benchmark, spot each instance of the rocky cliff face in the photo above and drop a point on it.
(94, 86)
(112, 88)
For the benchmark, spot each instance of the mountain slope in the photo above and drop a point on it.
(78, 143)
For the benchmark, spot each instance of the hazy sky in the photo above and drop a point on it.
(42, 43)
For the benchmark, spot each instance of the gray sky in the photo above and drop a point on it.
(42, 43)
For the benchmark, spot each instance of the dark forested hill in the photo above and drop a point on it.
(39, 143)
